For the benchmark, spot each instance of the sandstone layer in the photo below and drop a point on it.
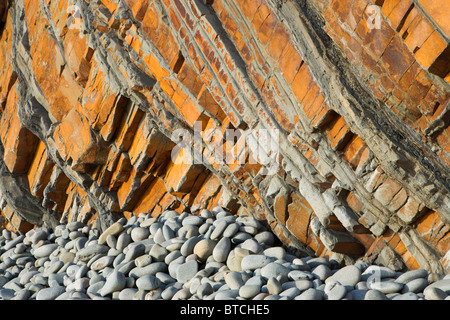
(95, 96)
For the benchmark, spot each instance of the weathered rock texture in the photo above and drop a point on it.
(91, 93)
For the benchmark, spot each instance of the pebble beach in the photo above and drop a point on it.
(210, 256)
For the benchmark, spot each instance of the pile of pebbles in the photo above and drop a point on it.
(210, 256)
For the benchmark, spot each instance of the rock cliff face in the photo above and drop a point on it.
(327, 119)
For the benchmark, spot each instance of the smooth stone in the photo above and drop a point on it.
(275, 252)
(310, 294)
(265, 237)
(300, 275)
(167, 232)
(139, 234)
(222, 249)
(234, 280)
(158, 252)
(39, 235)
(314, 262)
(151, 269)
(126, 267)
(23, 294)
(226, 294)
(231, 230)
(248, 291)
(290, 293)
(204, 248)
(406, 296)
(219, 229)
(75, 225)
(116, 281)
(277, 270)
(134, 250)
(357, 294)
(7, 294)
(12, 243)
(45, 250)
(347, 276)
(412, 275)
(113, 230)
(192, 220)
(443, 284)
(387, 286)
(433, 293)
(88, 252)
(251, 245)
(123, 240)
(204, 290)
(375, 295)
(165, 278)
(67, 256)
(255, 261)
(127, 293)
(188, 247)
(102, 263)
(415, 286)
(321, 272)
(50, 293)
(159, 236)
(143, 260)
(147, 282)
(148, 222)
(273, 285)
(240, 237)
(337, 293)
(377, 272)
(303, 284)
(187, 271)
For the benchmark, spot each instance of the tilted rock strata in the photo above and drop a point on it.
(93, 95)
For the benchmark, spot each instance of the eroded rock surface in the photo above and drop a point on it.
(96, 97)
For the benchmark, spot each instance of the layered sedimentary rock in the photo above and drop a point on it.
(327, 119)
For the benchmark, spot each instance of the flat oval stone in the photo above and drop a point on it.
(234, 280)
(248, 291)
(347, 276)
(113, 229)
(188, 246)
(321, 272)
(204, 248)
(231, 230)
(275, 270)
(193, 220)
(90, 251)
(222, 249)
(102, 263)
(139, 233)
(50, 293)
(433, 293)
(310, 294)
(412, 275)
(290, 293)
(255, 261)
(147, 282)
(187, 271)
(416, 285)
(386, 286)
(266, 237)
(116, 281)
(375, 295)
(337, 293)
(151, 269)
(45, 250)
(127, 293)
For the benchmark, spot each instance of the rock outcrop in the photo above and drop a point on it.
(327, 119)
